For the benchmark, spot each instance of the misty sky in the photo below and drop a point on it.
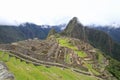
(59, 11)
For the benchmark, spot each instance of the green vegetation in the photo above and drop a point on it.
(96, 38)
(24, 71)
(66, 43)
(114, 68)
(100, 57)
(5, 58)
(68, 59)
(89, 66)
(10, 34)
(81, 53)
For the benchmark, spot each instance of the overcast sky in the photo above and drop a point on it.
(59, 11)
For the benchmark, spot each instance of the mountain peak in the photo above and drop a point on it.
(96, 38)
(75, 20)
(73, 26)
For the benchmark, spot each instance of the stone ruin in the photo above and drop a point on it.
(45, 50)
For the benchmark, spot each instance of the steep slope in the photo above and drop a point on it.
(28, 71)
(67, 57)
(63, 52)
(112, 31)
(24, 31)
(33, 31)
(98, 39)
(10, 34)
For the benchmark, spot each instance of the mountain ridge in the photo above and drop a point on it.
(98, 39)
(24, 31)
(78, 48)
(62, 52)
(112, 31)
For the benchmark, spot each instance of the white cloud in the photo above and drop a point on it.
(59, 11)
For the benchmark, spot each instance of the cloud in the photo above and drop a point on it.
(59, 11)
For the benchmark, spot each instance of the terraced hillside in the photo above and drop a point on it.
(96, 38)
(27, 71)
(59, 58)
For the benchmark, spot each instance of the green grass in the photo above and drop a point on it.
(81, 53)
(68, 58)
(90, 68)
(101, 60)
(100, 57)
(5, 58)
(23, 71)
(114, 67)
(65, 42)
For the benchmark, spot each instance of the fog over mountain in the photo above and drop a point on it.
(54, 12)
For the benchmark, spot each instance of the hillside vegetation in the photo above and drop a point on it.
(10, 34)
(96, 38)
(28, 71)
(60, 58)
(112, 31)
(77, 53)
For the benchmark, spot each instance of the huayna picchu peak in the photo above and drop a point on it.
(74, 24)
(96, 38)
(76, 53)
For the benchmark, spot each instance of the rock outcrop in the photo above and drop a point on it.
(4, 73)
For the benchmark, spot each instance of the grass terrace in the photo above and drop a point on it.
(28, 71)
(65, 42)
